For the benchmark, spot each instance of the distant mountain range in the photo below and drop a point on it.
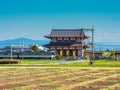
(27, 42)
(107, 43)
(21, 41)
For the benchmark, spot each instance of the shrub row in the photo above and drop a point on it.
(9, 61)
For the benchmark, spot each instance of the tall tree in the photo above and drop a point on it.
(34, 47)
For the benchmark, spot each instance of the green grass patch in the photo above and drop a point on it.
(96, 63)
(65, 63)
(44, 61)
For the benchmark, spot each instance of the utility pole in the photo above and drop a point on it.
(22, 48)
(92, 43)
(82, 42)
(11, 51)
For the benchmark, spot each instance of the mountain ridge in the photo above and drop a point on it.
(27, 42)
(22, 40)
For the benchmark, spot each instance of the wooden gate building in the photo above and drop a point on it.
(67, 42)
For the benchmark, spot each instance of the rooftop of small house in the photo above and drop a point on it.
(99, 52)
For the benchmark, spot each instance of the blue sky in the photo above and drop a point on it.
(35, 18)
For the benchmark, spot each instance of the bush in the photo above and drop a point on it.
(57, 57)
(9, 61)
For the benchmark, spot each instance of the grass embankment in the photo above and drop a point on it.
(96, 63)
(41, 61)
(64, 63)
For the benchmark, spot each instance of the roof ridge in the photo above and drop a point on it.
(66, 32)
(67, 29)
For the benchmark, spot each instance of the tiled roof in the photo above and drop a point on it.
(66, 32)
(60, 44)
(54, 44)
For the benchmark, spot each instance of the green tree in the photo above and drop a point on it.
(104, 54)
(110, 54)
(113, 52)
(34, 47)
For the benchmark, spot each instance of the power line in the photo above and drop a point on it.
(106, 32)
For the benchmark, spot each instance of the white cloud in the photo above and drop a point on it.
(107, 37)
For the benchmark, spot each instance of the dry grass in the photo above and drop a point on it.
(59, 78)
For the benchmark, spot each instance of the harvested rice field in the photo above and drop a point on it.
(59, 78)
